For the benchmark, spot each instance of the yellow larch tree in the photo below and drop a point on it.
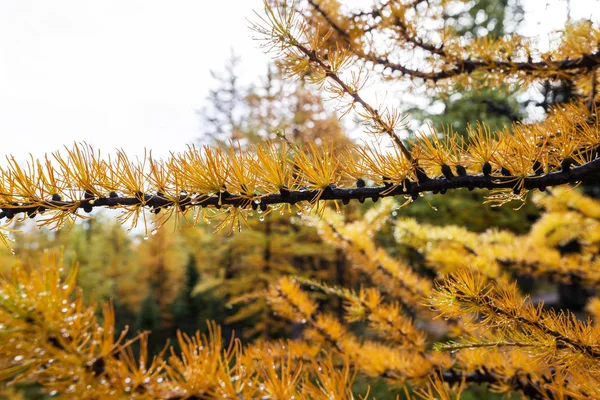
(497, 335)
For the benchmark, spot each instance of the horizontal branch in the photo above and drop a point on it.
(408, 188)
(548, 67)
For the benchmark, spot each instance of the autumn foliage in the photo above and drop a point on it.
(454, 316)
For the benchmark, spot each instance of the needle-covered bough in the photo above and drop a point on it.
(502, 338)
(228, 184)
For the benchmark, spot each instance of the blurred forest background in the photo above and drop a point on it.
(176, 279)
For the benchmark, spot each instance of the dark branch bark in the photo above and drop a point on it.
(550, 68)
(435, 185)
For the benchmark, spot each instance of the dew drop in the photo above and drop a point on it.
(146, 237)
(262, 218)
(299, 212)
(18, 358)
(53, 393)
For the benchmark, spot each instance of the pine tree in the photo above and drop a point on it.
(186, 307)
(149, 320)
(191, 310)
(222, 118)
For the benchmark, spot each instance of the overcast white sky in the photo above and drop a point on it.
(114, 73)
(132, 73)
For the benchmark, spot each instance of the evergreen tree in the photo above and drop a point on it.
(191, 310)
(222, 117)
(149, 319)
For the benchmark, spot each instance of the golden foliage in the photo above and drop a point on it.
(571, 220)
(51, 338)
(228, 183)
(397, 278)
(558, 339)
(506, 340)
(420, 46)
(230, 180)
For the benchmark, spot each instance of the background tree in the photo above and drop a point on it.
(248, 263)
(222, 117)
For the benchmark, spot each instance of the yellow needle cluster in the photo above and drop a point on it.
(562, 245)
(228, 183)
(49, 337)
